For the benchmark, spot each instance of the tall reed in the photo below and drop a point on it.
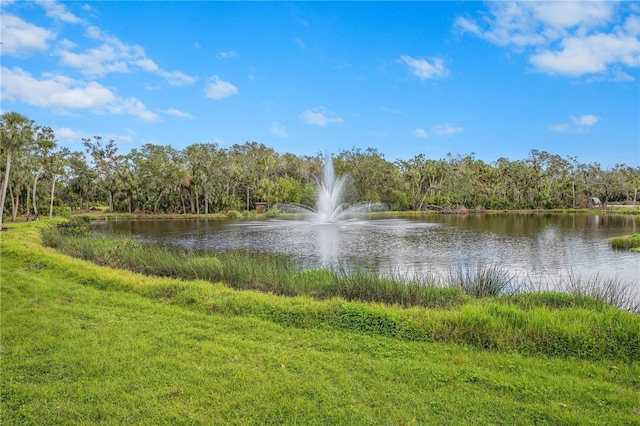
(281, 275)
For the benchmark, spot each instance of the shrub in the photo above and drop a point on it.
(482, 281)
(625, 243)
(233, 214)
(271, 213)
(61, 211)
(78, 226)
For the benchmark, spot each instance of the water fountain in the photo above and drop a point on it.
(330, 207)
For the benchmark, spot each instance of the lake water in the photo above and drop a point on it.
(538, 247)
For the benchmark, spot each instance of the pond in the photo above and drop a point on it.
(538, 248)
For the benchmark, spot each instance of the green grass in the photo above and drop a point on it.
(86, 344)
(282, 276)
(628, 242)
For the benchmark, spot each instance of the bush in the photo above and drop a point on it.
(625, 243)
(76, 226)
(271, 213)
(233, 214)
(61, 211)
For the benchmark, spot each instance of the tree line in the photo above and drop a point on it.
(204, 178)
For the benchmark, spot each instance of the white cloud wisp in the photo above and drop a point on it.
(425, 68)
(218, 89)
(320, 117)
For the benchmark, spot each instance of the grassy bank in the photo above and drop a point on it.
(84, 344)
(281, 275)
(628, 242)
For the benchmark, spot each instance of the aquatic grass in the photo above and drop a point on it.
(553, 300)
(357, 284)
(280, 275)
(612, 291)
(629, 242)
(482, 281)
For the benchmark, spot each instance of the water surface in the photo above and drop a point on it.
(537, 247)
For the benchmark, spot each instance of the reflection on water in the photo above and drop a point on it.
(539, 247)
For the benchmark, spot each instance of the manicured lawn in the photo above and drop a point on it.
(84, 344)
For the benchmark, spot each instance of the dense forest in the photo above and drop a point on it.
(40, 176)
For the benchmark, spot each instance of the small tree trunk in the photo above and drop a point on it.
(28, 207)
(155, 207)
(53, 190)
(13, 204)
(193, 207)
(5, 183)
(184, 207)
(110, 201)
(206, 203)
(16, 205)
(35, 192)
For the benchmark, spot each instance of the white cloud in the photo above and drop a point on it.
(570, 38)
(178, 113)
(21, 38)
(278, 130)
(579, 124)
(228, 54)
(567, 14)
(320, 117)
(113, 55)
(394, 111)
(68, 134)
(65, 133)
(57, 91)
(585, 120)
(94, 62)
(301, 44)
(445, 129)
(560, 128)
(425, 68)
(59, 11)
(218, 89)
(146, 64)
(421, 133)
(132, 106)
(588, 54)
(177, 78)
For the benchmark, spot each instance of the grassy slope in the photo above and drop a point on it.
(75, 349)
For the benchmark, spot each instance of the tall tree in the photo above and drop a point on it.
(40, 153)
(16, 132)
(56, 169)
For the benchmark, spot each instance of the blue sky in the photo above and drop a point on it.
(496, 79)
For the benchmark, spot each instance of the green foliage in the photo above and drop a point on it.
(626, 242)
(233, 214)
(554, 300)
(62, 211)
(205, 178)
(272, 213)
(482, 281)
(76, 226)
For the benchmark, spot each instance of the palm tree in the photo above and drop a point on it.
(16, 131)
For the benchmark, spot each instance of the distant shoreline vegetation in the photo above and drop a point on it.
(205, 178)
